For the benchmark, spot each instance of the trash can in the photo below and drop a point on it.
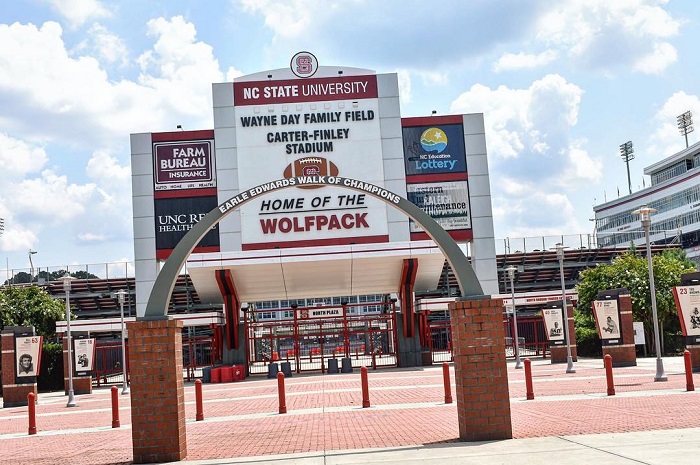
(332, 366)
(226, 374)
(206, 375)
(216, 375)
(272, 370)
(346, 365)
(287, 369)
(238, 372)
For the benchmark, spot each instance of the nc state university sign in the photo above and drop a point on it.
(157, 307)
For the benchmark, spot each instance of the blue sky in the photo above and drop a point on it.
(561, 84)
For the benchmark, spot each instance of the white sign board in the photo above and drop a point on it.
(553, 323)
(28, 354)
(688, 304)
(447, 202)
(607, 319)
(307, 127)
(639, 339)
(84, 353)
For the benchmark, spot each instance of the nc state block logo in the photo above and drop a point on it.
(310, 166)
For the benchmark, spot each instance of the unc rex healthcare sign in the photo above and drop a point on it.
(157, 307)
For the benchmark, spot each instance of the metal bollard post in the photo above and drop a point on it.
(446, 382)
(31, 403)
(530, 393)
(280, 390)
(115, 407)
(365, 387)
(689, 385)
(609, 374)
(198, 400)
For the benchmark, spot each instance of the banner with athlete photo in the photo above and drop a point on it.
(84, 355)
(554, 324)
(688, 305)
(607, 319)
(28, 355)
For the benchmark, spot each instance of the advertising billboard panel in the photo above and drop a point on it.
(446, 202)
(176, 216)
(183, 165)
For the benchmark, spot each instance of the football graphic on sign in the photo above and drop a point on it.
(310, 166)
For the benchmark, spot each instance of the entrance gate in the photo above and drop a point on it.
(307, 337)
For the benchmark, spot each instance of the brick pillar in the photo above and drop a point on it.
(13, 394)
(481, 376)
(157, 391)
(558, 353)
(624, 354)
(81, 384)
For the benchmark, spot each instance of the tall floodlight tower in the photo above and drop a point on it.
(685, 125)
(627, 154)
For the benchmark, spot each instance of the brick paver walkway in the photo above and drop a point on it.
(324, 413)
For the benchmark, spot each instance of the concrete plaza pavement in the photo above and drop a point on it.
(571, 421)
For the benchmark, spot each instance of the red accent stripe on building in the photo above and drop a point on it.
(177, 136)
(231, 304)
(184, 193)
(420, 178)
(432, 120)
(408, 280)
(163, 254)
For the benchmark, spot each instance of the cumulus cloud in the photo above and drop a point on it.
(606, 35)
(529, 128)
(109, 47)
(77, 12)
(18, 158)
(518, 61)
(667, 140)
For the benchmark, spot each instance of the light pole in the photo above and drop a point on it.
(644, 213)
(685, 125)
(31, 265)
(121, 294)
(66, 288)
(565, 310)
(511, 275)
(627, 154)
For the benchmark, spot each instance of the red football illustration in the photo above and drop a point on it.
(310, 166)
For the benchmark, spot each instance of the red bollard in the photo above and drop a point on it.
(31, 403)
(365, 387)
(115, 407)
(689, 385)
(530, 393)
(609, 374)
(198, 400)
(446, 382)
(280, 390)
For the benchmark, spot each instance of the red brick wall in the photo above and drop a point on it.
(157, 391)
(481, 376)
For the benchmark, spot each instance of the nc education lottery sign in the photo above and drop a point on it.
(688, 305)
(435, 149)
(309, 127)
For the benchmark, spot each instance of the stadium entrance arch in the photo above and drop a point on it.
(157, 306)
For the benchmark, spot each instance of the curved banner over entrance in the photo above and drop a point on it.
(157, 307)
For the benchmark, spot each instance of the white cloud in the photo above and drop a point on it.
(607, 35)
(16, 237)
(18, 158)
(109, 47)
(517, 61)
(77, 12)
(52, 197)
(667, 139)
(404, 78)
(105, 170)
(89, 237)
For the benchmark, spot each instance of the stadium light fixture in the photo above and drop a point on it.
(627, 154)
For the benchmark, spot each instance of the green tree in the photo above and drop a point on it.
(630, 270)
(30, 306)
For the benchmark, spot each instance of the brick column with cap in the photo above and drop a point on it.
(157, 391)
(481, 375)
(14, 394)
